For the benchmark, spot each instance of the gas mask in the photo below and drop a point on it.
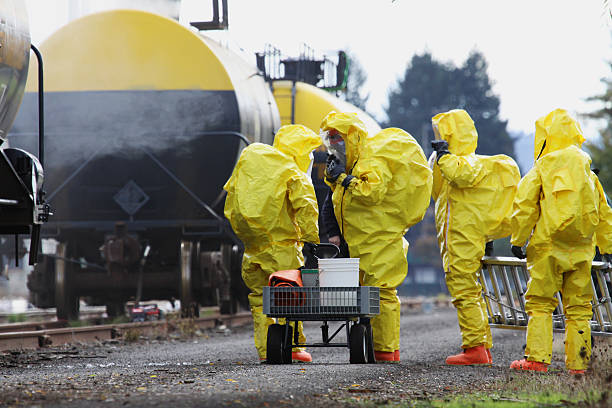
(335, 144)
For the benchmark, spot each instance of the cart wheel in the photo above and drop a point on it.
(287, 359)
(276, 350)
(370, 344)
(358, 344)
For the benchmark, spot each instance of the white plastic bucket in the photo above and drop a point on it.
(339, 272)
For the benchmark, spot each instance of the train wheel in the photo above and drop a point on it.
(66, 300)
(358, 344)
(228, 302)
(41, 283)
(240, 292)
(189, 305)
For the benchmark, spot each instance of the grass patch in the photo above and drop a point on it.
(119, 320)
(78, 323)
(557, 388)
(503, 400)
(554, 389)
(16, 318)
(131, 335)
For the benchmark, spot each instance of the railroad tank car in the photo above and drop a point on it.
(145, 119)
(22, 207)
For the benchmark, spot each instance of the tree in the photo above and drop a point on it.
(356, 78)
(601, 149)
(430, 87)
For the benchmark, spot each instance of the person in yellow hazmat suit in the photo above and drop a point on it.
(380, 187)
(473, 197)
(272, 207)
(561, 209)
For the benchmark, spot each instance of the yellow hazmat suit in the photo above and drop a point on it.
(272, 207)
(473, 196)
(561, 209)
(388, 194)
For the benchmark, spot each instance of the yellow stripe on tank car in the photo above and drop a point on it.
(126, 50)
(312, 104)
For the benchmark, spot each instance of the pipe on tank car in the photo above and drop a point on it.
(41, 107)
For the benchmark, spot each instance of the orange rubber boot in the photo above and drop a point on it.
(471, 356)
(489, 355)
(396, 356)
(301, 356)
(384, 356)
(529, 365)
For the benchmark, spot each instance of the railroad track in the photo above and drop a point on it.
(51, 333)
(36, 335)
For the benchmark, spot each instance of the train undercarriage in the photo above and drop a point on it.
(197, 272)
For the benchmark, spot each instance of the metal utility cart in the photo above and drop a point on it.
(352, 307)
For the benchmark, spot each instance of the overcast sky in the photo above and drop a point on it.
(542, 54)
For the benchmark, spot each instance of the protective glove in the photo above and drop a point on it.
(518, 252)
(441, 148)
(333, 169)
(489, 248)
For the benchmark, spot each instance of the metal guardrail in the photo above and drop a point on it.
(504, 282)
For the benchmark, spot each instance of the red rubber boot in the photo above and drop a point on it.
(489, 355)
(384, 356)
(301, 356)
(396, 356)
(529, 365)
(471, 356)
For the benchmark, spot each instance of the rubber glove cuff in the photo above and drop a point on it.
(347, 181)
(441, 148)
(518, 252)
(441, 154)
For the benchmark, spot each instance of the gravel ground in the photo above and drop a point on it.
(220, 368)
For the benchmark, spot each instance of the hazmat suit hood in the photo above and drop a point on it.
(556, 131)
(298, 142)
(457, 128)
(354, 133)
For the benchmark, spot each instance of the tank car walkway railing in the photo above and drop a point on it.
(504, 282)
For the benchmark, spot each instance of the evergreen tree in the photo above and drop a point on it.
(601, 150)
(356, 78)
(430, 87)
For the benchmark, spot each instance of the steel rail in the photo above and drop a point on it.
(41, 338)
